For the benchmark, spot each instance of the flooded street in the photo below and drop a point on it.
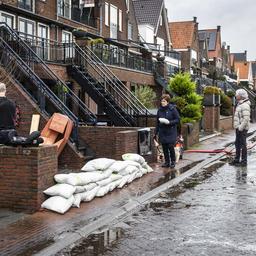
(213, 213)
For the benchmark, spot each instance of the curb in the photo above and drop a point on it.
(85, 231)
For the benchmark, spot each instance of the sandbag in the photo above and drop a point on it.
(99, 164)
(77, 201)
(103, 191)
(58, 204)
(117, 166)
(124, 181)
(104, 182)
(115, 177)
(114, 184)
(133, 157)
(64, 190)
(89, 195)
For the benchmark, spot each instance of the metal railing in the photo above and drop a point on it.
(118, 57)
(133, 102)
(40, 69)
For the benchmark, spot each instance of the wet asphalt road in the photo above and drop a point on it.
(213, 213)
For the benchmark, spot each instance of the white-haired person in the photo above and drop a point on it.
(241, 124)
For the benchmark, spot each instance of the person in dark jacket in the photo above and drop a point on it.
(8, 133)
(166, 129)
(7, 117)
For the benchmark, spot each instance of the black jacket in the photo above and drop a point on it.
(167, 132)
(7, 114)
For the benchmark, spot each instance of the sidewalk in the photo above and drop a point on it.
(28, 234)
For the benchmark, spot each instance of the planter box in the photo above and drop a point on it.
(217, 100)
(190, 133)
(209, 100)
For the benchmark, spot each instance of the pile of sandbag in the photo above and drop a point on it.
(96, 179)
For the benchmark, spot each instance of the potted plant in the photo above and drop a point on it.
(231, 94)
(217, 92)
(209, 96)
(79, 33)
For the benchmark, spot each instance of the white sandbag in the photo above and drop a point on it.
(117, 166)
(103, 191)
(99, 164)
(124, 181)
(79, 189)
(138, 174)
(115, 177)
(133, 157)
(149, 168)
(84, 178)
(131, 169)
(61, 178)
(58, 204)
(114, 184)
(89, 195)
(144, 165)
(64, 190)
(133, 163)
(144, 171)
(104, 182)
(77, 201)
(90, 186)
(132, 177)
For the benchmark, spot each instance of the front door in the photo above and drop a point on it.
(43, 41)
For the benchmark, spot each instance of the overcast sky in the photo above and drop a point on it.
(237, 19)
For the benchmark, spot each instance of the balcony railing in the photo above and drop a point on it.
(118, 57)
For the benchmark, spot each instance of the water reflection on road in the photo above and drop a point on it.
(211, 214)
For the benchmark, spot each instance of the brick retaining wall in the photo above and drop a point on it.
(25, 173)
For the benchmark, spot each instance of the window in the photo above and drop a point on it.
(27, 28)
(67, 40)
(130, 31)
(43, 44)
(107, 14)
(8, 19)
(26, 4)
(120, 20)
(64, 8)
(113, 21)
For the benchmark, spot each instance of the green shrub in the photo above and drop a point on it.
(212, 90)
(179, 102)
(194, 98)
(230, 93)
(181, 84)
(188, 102)
(226, 105)
(146, 95)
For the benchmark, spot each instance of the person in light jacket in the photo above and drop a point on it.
(166, 129)
(241, 124)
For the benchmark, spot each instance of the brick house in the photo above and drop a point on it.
(213, 36)
(184, 36)
(254, 74)
(244, 73)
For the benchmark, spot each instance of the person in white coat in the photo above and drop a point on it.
(241, 124)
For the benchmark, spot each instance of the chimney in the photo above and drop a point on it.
(195, 19)
(228, 47)
(218, 28)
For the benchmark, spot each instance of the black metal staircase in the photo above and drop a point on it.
(28, 70)
(116, 100)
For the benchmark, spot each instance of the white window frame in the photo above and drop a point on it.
(127, 5)
(120, 20)
(70, 54)
(106, 13)
(69, 12)
(14, 18)
(48, 34)
(130, 25)
(21, 18)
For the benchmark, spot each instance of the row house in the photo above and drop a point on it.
(184, 36)
(214, 45)
(254, 74)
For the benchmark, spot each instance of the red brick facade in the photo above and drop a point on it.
(25, 173)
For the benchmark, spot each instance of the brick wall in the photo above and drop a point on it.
(185, 60)
(190, 134)
(226, 123)
(112, 142)
(211, 118)
(25, 173)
